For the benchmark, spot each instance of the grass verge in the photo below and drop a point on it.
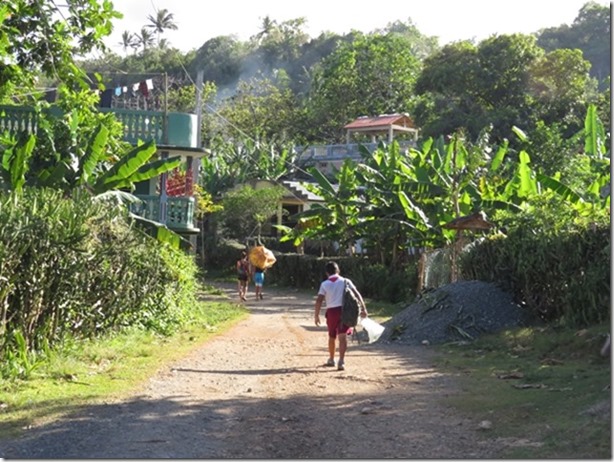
(84, 372)
(541, 392)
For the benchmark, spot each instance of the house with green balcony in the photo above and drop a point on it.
(167, 199)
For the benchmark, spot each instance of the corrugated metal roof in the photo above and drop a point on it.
(381, 121)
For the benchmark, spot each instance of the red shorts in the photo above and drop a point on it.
(333, 322)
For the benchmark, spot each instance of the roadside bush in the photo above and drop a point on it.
(373, 280)
(299, 271)
(75, 265)
(557, 266)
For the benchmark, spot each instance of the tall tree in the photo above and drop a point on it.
(561, 85)
(161, 22)
(280, 43)
(128, 40)
(221, 59)
(266, 27)
(261, 107)
(448, 95)
(421, 45)
(145, 39)
(478, 86)
(590, 32)
(372, 75)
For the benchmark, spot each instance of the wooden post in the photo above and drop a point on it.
(421, 268)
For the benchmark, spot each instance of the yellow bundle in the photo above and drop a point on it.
(261, 257)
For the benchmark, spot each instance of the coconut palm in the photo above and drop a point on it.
(163, 44)
(145, 39)
(267, 26)
(128, 40)
(161, 22)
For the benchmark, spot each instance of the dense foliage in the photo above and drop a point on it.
(75, 266)
(332, 79)
(396, 201)
(72, 263)
(558, 269)
(504, 131)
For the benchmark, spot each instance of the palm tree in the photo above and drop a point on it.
(162, 21)
(266, 28)
(145, 39)
(128, 40)
(163, 44)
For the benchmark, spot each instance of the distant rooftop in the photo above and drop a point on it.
(381, 124)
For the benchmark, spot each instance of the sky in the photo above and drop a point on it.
(449, 20)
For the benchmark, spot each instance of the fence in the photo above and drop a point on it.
(438, 267)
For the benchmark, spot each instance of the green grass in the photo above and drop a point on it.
(83, 372)
(541, 385)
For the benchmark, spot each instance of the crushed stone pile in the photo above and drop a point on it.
(460, 311)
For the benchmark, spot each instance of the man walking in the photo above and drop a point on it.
(331, 292)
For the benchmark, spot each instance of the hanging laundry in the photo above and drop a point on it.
(149, 83)
(118, 91)
(143, 88)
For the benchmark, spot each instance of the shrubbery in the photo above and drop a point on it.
(559, 267)
(373, 280)
(77, 266)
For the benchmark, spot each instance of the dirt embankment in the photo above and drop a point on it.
(261, 390)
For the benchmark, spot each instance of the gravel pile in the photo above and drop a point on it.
(459, 311)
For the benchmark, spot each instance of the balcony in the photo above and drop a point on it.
(138, 125)
(328, 158)
(175, 134)
(336, 152)
(179, 212)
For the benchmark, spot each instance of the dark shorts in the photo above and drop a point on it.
(333, 323)
(242, 277)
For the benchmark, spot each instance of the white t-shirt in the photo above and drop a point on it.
(332, 289)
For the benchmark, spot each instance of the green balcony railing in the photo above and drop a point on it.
(138, 125)
(179, 211)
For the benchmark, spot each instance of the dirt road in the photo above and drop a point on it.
(261, 390)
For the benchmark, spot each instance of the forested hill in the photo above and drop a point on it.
(284, 83)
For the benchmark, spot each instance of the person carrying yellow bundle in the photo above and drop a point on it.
(261, 257)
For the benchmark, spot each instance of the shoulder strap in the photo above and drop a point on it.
(354, 291)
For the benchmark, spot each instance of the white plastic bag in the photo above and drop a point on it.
(374, 329)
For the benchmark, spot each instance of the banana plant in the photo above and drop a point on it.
(133, 167)
(527, 183)
(595, 146)
(15, 162)
(93, 171)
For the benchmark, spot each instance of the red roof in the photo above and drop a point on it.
(381, 122)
